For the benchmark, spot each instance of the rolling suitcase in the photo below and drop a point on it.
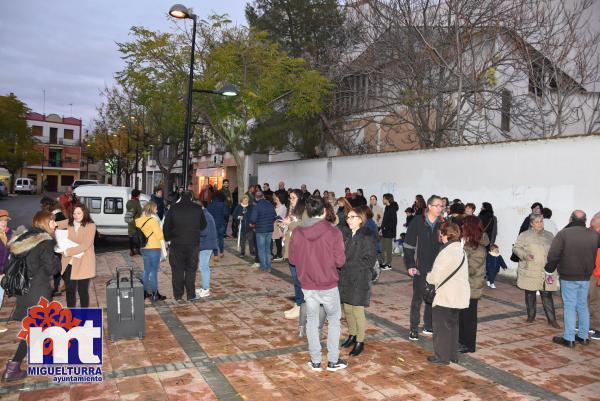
(125, 305)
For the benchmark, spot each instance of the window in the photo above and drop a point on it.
(505, 110)
(54, 135)
(93, 204)
(37, 130)
(113, 205)
(68, 134)
(66, 180)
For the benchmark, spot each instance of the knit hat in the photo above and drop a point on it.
(4, 215)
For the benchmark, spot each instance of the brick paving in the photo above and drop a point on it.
(236, 345)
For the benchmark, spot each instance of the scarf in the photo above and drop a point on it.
(4, 237)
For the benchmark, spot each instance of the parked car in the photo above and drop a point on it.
(78, 183)
(3, 190)
(25, 185)
(106, 204)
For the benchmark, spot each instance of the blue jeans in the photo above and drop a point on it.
(574, 294)
(298, 294)
(263, 244)
(220, 240)
(204, 269)
(151, 265)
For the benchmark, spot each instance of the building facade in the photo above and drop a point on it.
(59, 142)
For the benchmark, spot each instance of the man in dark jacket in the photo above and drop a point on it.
(283, 193)
(317, 250)
(157, 197)
(423, 230)
(262, 217)
(267, 191)
(183, 225)
(573, 252)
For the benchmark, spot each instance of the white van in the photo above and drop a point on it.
(25, 185)
(107, 206)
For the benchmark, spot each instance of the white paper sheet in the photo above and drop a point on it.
(63, 243)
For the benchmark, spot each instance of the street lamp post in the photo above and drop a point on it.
(179, 11)
(182, 12)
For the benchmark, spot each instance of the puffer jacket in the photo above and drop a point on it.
(42, 264)
(530, 273)
(208, 236)
(476, 258)
(355, 277)
(263, 215)
(219, 212)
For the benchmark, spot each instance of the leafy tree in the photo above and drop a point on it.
(270, 82)
(17, 145)
(312, 29)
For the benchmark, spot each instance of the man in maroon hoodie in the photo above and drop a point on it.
(317, 250)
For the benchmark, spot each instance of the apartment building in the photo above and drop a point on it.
(59, 142)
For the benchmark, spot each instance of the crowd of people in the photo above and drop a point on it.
(335, 248)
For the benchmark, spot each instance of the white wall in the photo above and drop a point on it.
(560, 173)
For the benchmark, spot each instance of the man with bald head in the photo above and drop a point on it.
(282, 193)
(573, 252)
(594, 295)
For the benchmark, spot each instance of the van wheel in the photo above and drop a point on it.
(98, 238)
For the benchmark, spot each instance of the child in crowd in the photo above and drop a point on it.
(410, 213)
(493, 263)
(399, 248)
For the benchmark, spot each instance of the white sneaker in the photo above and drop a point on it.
(256, 265)
(292, 313)
(493, 285)
(278, 260)
(198, 292)
(488, 284)
(203, 293)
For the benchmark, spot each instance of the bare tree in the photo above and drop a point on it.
(440, 73)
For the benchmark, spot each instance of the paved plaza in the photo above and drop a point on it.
(237, 345)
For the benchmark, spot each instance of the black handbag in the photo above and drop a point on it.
(139, 239)
(429, 293)
(16, 279)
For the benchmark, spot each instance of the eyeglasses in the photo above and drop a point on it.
(352, 217)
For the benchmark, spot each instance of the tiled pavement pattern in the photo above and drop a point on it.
(236, 345)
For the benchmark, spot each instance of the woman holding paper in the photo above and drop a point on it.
(78, 257)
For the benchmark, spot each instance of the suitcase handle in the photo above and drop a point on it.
(121, 269)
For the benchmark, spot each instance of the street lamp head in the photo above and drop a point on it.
(229, 90)
(180, 11)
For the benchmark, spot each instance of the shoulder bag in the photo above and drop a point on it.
(429, 293)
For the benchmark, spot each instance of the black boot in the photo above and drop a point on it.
(13, 372)
(548, 303)
(358, 348)
(147, 294)
(530, 302)
(350, 341)
(157, 297)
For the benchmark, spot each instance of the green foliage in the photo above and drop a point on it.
(303, 28)
(17, 145)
